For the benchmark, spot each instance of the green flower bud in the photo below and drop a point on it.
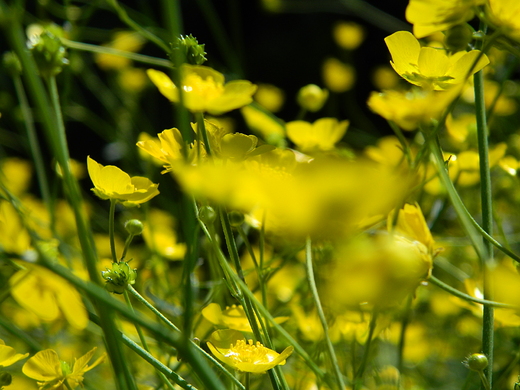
(192, 51)
(119, 277)
(5, 379)
(134, 227)
(476, 362)
(458, 37)
(236, 218)
(12, 63)
(312, 98)
(207, 214)
(48, 53)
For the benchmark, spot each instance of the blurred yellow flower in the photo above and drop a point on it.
(384, 77)
(267, 125)
(204, 89)
(132, 80)
(504, 14)
(348, 35)
(110, 182)
(16, 174)
(460, 128)
(429, 67)
(338, 76)
(48, 296)
(429, 16)
(159, 234)
(233, 317)
(122, 40)
(270, 96)
(321, 135)
(312, 98)
(14, 238)
(8, 355)
(52, 373)
(411, 109)
(230, 347)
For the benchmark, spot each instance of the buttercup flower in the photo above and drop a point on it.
(8, 355)
(320, 135)
(52, 373)
(230, 347)
(110, 182)
(504, 14)
(204, 89)
(429, 67)
(429, 16)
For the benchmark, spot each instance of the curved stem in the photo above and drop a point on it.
(314, 291)
(358, 378)
(111, 230)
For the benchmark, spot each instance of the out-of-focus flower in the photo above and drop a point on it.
(8, 355)
(233, 317)
(504, 14)
(338, 76)
(16, 174)
(122, 40)
(429, 67)
(230, 347)
(14, 238)
(204, 89)
(411, 109)
(312, 98)
(429, 16)
(348, 35)
(160, 236)
(132, 80)
(270, 96)
(48, 296)
(503, 103)
(267, 125)
(387, 151)
(461, 128)
(384, 78)
(110, 182)
(321, 135)
(51, 373)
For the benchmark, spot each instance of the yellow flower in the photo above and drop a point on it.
(110, 182)
(204, 89)
(429, 16)
(167, 149)
(47, 368)
(429, 67)
(159, 234)
(348, 35)
(233, 317)
(230, 347)
(8, 355)
(410, 109)
(267, 125)
(321, 135)
(48, 296)
(312, 98)
(123, 40)
(270, 96)
(504, 14)
(338, 76)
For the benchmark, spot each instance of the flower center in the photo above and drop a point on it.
(243, 352)
(207, 88)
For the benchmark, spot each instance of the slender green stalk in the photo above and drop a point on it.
(469, 298)
(66, 383)
(487, 218)
(358, 378)
(402, 334)
(316, 297)
(8, 325)
(201, 128)
(111, 230)
(121, 53)
(484, 380)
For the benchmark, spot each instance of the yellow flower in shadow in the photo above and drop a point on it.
(8, 355)
(48, 296)
(110, 182)
(204, 89)
(47, 368)
(230, 347)
(430, 67)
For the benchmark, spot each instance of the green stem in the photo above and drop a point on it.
(316, 297)
(487, 219)
(111, 230)
(484, 380)
(469, 298)
(121, 53)
(127, 245)
(358, 378)
(201, 128)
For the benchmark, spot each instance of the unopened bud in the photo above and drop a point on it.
(476, 362)
(134, 227)
(12, 63)
(48, 53)
(192, 51)
(119, 277)
(312, 98)
(5, 379)
(236, 218)
(207, 214)
(458, 37)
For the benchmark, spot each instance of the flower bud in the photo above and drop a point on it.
(192, 51)
(236, 218)
(12, 63)
(312, 98)
(119, 277)
(458, 37)
(48, 53)
(134, 227)
(5, 379)
(476, 362)
(207, 214)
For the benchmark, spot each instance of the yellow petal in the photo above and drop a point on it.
(433, 62)
(213, 313)
(470, 63)
(237, 94)
(9, 356)
(405, 49)
(164, 84)
(44, 366)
